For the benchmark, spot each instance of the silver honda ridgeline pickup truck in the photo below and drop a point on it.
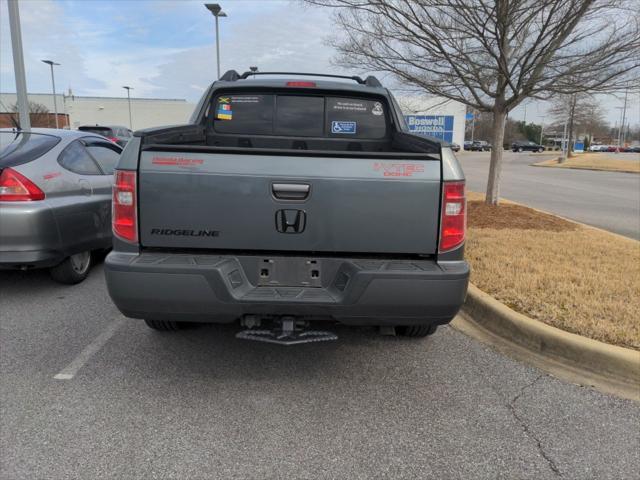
(288, 201)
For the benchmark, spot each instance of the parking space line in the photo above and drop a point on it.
(90, 350)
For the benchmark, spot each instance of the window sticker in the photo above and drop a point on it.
(349, 106)
(224, 111)
(247, 99)
(377, 108)
(343, 127)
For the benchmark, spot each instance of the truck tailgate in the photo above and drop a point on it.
(288, 203)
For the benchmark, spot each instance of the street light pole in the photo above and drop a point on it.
(217, 12)
(565, 142)
(53, 84)
(128, 89)
(624, 115)
(18, 65)
(473, 124)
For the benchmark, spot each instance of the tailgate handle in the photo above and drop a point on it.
(290, 191)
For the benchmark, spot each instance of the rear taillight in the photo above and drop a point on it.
(113, 139)
(453, 219)
(124, 217)
(15, 187)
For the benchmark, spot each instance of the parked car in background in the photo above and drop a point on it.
(598, 148)
(55, 200)
(455, 147)
(115, 133)
(479, 146)
(526, 146)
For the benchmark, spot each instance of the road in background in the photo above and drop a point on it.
(202, 404)
(607, 200)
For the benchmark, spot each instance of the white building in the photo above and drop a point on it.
(82, 110)
(435, 116)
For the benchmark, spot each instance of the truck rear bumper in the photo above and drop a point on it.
(223, 288)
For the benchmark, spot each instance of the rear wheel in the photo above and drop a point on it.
(416, 331)
(73, 269)
(540, 150)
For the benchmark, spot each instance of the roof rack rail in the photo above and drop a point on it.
(249, 74)
(372, 81)
(232, 76)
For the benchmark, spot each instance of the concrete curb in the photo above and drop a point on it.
(539, 164)
(571, 357)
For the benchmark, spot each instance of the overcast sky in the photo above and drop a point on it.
(166, 48)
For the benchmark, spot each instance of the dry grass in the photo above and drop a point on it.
(596, 161)
(572, 277)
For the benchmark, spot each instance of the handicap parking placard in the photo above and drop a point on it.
(343, 127)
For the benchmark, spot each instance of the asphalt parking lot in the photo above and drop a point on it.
(200, 404)
(607, 200)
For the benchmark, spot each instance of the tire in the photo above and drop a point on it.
(73, 269)
(520, 150)
(540, 150)
(416, 331)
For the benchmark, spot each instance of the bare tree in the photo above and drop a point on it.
(491, 55)
(38, 113)
(581, 112)
(483, 129)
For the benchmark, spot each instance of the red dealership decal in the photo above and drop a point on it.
(391, 169)
(177, 161)
(49, 176)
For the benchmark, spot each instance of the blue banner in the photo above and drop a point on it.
(437, 126)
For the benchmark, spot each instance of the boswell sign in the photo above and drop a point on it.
(437, 126)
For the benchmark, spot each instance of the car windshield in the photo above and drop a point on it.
(17, 148)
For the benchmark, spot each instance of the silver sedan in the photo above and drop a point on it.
(55, 200)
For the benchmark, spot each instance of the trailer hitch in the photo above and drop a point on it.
(287, 331)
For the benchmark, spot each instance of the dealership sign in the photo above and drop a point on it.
(437, 126)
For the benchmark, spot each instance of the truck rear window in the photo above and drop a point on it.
(300, 116)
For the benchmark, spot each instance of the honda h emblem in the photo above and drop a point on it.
(291, 221)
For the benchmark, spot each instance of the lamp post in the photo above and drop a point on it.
(128, 89)
(18, 65)
(217, 12)
(51, 63)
